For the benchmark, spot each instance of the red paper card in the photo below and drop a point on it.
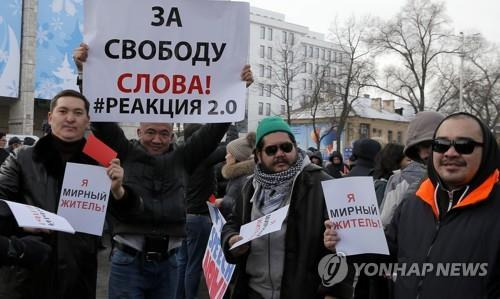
(99, 151)
(212, 198)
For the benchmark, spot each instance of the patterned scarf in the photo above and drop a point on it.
(274, 187)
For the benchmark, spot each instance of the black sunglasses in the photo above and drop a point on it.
(463, 146)
(273, 149)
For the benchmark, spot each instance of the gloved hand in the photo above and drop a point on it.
(31, 250)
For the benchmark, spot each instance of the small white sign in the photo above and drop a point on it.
(84, 197)
(352, 207)
(264, 225)
(33, 217)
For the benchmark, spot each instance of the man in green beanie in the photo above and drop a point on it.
(283, 264)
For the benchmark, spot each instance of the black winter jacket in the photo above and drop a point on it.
(465, 238)
(303, 240)
(34, 176)
(158, 180)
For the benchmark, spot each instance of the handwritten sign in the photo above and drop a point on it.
(353, 210)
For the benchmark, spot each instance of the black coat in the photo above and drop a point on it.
(466, 234)
(303, 240)
(34, 176)
(159, 180)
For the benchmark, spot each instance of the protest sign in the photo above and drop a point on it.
(99, 151)
(84, 197)
(217, 270)
(33, 217)
(166, 61)
(352, 207)
(264, 225)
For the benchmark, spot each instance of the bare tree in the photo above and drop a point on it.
(481, 82)
(322, 97)
(285, 64)
(482, 91)
(356, 69)
(417, 36)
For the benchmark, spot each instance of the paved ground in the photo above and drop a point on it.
(103, 272)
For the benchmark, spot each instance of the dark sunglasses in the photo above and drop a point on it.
(273, 149)
(463, 146)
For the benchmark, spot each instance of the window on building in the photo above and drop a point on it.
(262, 32)
(305, 50)
(268, 90)
(316, 52)
(269, 33)
(268, 109)
(284, 36)
(269, 71)
(304, 67)
(309, 84)
(400, 137)
(261, 70)
(261, 108)
(304, 101)
(304, 83)
(261, 52)
(283, 109)
(269, 53)
(291, 38)
(310, 51)
(340, 56)
(261, 89)
(334, 72)
(364, 130)
(323, 54)
(290, 93)
(389, 136)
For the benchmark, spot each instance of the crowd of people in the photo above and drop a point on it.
(438, 196)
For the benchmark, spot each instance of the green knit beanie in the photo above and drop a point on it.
(270, 125)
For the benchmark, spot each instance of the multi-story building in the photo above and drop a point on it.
(276, 45)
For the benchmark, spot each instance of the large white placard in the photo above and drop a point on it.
(166, 61)
(84, 197)
(33, 217)
(264, 225)
(352, 207)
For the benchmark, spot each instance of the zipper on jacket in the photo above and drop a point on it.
(450, 200)
(421, 281)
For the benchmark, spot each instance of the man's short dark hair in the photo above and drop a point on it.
(70, 93)
(2, 134)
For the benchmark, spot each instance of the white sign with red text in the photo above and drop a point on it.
(33, 217)
(352, 208)
(84, 197)
(264, 225)
(166, 61)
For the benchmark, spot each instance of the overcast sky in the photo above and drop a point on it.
(470, 16)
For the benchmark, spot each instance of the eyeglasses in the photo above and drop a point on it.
(273, 149)
(463, 146)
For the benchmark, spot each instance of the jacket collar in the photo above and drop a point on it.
(426, 192)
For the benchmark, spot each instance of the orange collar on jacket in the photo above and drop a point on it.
(427, 190)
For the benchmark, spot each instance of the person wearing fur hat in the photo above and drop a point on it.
(282, 264)
(239, 165)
